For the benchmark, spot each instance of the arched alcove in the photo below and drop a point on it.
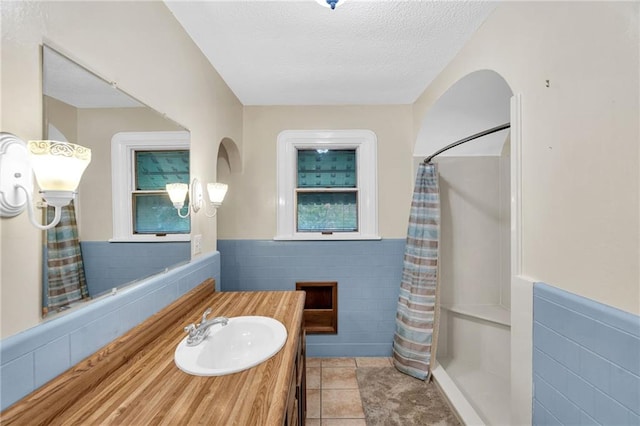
(229, 156)
(474, 334)
(228, 164)
(476, 102)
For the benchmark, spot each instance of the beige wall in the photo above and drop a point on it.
(249, 211)
(140, 46)
(580, 137)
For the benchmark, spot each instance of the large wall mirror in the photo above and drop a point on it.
(83, 108)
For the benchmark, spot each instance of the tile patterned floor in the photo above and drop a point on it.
(333, 397)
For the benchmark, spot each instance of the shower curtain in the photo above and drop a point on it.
(65, 281)
(416, 319)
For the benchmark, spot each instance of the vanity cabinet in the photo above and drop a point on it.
(297, 399)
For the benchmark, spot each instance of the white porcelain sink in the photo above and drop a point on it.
(241, 344)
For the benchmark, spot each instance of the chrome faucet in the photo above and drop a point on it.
(198, 332)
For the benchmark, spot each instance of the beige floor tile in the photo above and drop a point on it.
(313, 404)
(314, 362)
(343, 422)
(341, 404)
(339, 378)
(338, 362)
(313, 377)
(312, 422)
(374, 362)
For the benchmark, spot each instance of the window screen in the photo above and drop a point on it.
(153, 212)
(327, 192)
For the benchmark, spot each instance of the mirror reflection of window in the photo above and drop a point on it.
(142, 164)
(153, 212)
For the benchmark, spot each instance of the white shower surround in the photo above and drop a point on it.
(475, 297)
(495, 386)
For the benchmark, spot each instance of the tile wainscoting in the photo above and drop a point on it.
(368, 275)
(33, 357)
(108, 265)
(586, 361)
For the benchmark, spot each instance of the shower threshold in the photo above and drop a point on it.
(479, 396)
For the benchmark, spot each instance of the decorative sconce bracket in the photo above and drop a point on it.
(15, 171)
(196, 195)
(58, 167)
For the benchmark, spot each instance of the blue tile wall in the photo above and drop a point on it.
(33, 357)
(586, 361)
(368, 275)
(108, 265)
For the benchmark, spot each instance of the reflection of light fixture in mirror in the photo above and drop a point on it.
(58, 167)
(178, 192)
(331, 3)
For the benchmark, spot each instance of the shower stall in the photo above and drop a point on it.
(473, 353)
(474, 333)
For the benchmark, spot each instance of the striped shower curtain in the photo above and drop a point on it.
(416, 319)
(65, 280)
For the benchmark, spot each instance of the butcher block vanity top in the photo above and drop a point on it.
(134, 380)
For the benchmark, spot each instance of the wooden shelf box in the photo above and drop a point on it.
(320, 307)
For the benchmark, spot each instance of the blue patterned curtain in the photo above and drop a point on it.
(416, 324)
(65, 279)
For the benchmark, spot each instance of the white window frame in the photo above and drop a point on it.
(365, 144)
(123, 147)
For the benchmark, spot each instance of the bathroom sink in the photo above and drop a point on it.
(241, 344)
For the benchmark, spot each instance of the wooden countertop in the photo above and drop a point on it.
(143, 386)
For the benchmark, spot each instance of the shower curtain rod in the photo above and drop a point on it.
(467, 139)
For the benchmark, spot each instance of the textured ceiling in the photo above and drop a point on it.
(300, 53)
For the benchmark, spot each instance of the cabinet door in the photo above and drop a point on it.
(292, 413)
(302, 378)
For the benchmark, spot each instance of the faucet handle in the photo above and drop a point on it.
(191, 329)
(204, 315)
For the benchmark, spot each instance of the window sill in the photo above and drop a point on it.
(151, 239)
(333, 237)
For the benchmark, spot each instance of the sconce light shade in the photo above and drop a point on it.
(177, 193)
(217, 191)
(58, 167)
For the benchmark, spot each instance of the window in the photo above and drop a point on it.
(326, 190)
(327, 185)
(142, 164)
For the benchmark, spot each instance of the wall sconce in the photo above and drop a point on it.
(58, 167)
(178, 193)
